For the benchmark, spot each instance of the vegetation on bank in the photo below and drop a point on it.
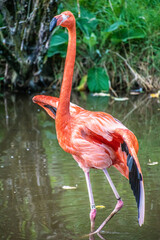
(118, 45)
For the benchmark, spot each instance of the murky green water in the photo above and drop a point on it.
(33, 170)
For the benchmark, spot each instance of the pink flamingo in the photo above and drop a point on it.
(95, 139)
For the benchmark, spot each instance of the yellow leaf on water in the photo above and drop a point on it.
(155, 95)
(100, 206)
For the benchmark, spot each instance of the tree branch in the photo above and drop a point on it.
(141, 79)
(10, 58)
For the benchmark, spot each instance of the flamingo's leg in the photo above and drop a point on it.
(91, 199)
(118, 206)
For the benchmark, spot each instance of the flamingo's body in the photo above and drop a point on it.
(95, 139)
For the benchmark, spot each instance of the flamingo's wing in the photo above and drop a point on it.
(115, 135)
(135, 173)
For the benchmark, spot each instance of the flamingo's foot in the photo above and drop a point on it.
(118, 206)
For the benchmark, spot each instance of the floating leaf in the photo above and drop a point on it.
(120, 99)
(155, 95)
(101, 94)
(70, 187)
(97, 80)
(136, 91)
(152, 163)
(100, 206)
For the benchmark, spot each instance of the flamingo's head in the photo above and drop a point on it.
(65, 19)
(49, 104)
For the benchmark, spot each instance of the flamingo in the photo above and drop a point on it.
(94, 139)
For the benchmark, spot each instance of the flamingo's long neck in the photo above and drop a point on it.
(63, 113)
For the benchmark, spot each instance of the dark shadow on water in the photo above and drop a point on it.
(27, 207)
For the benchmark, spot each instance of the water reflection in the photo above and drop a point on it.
(33, 170)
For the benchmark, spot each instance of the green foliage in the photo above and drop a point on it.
(90, 40)
(97, 80)
(1, 20)
(82, 84)
(88, 23)
(107, 30)
(124, 35)
(58, 44)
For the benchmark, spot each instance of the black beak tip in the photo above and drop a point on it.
(52, 24)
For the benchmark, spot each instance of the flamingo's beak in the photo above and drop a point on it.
(49, 104)
(53, 24)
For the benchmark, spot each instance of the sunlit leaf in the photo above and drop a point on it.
(87, 25)
(115, 26)
(58, 44)
(58, 39)
(97, 80)
(61, 49)
(82, 84)
(90, 40)
(127, 34)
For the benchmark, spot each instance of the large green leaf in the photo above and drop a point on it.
(58, 44)
(115, 26)
(58, 39)
(125, 34)
(61, 49)
(87, 25)
(97, 80)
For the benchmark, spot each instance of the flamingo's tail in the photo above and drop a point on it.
(137, 186)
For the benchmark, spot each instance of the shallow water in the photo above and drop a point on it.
(33, 170)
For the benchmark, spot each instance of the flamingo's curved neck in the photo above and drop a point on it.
(63, 113)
